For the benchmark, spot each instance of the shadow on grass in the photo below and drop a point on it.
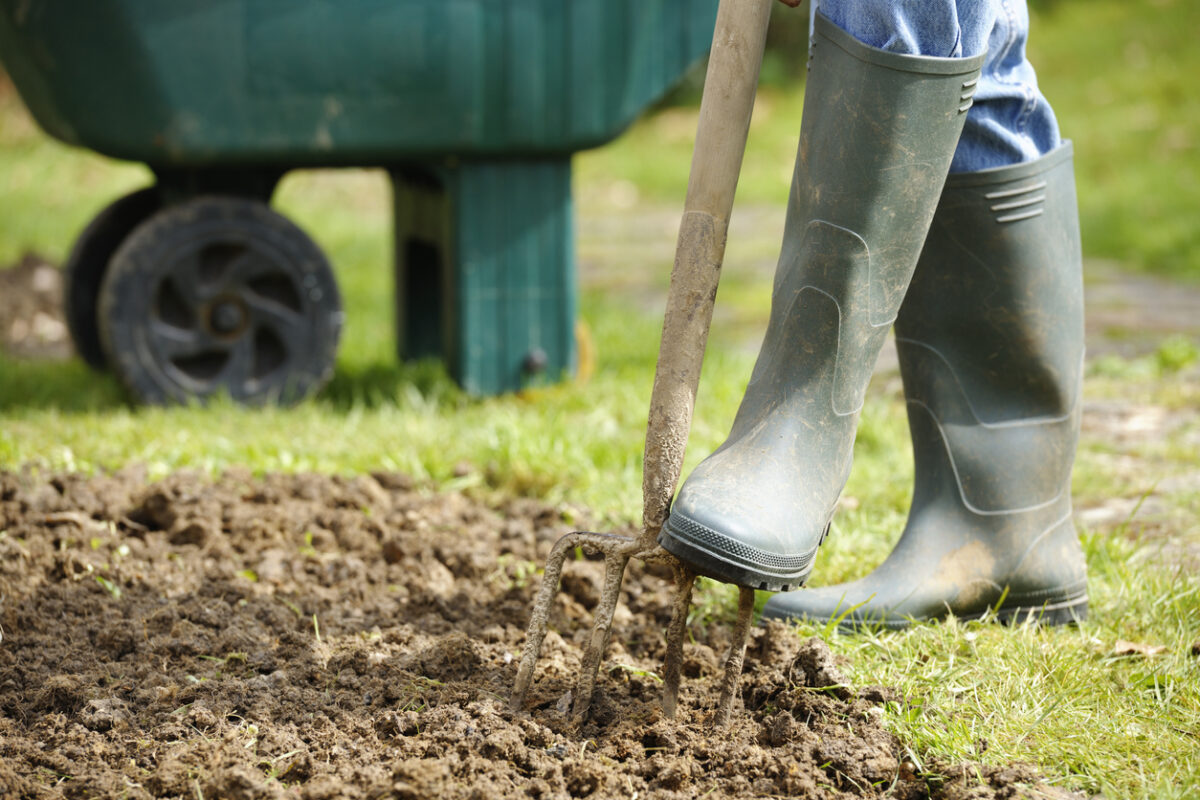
(71, 387)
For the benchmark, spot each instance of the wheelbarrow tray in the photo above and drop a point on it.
(344, 82)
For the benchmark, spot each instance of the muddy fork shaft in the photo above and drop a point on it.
(725, 110)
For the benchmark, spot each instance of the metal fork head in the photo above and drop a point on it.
(617, 550)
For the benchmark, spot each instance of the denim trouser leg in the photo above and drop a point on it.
(1011, 121)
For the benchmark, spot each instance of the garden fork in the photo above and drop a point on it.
(725, 110)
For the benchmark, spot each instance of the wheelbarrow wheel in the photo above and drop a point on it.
(220, 295)
(89, 259)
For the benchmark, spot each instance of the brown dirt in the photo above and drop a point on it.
(31, 317)
(318, 637)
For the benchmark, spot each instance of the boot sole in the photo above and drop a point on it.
(716, 556)
(1069, 611)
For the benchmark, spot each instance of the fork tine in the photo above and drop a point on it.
(539, 618)
(614, 571)
(673, 663)
(617, 551)
(735, 657)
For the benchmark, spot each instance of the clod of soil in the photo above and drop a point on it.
(31, 316)
(322, 637)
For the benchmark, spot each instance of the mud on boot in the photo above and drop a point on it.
(990, 339)
(878, 133)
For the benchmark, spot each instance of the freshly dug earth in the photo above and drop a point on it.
(321, 637)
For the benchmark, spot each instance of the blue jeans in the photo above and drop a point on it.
(1011, 121)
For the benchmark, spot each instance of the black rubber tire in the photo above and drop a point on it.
(84, 269)
(220, 295)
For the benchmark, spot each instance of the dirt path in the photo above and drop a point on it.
(317, 637)
(1127, 313)
(630, 255)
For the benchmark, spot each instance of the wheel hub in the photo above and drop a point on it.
(227, 317)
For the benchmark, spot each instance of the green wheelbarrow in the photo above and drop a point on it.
(194, 286)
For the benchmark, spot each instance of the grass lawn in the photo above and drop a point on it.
(1070, 700)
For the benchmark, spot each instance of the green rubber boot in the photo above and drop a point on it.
(990, 340)
(878, 133)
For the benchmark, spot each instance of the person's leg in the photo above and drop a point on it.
(915, 28)
(1010, 121)
(878, 133)
(990, 339)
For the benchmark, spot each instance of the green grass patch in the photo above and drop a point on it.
(1120, 77)
(1071, 700)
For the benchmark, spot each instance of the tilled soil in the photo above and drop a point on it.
(321, 637)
